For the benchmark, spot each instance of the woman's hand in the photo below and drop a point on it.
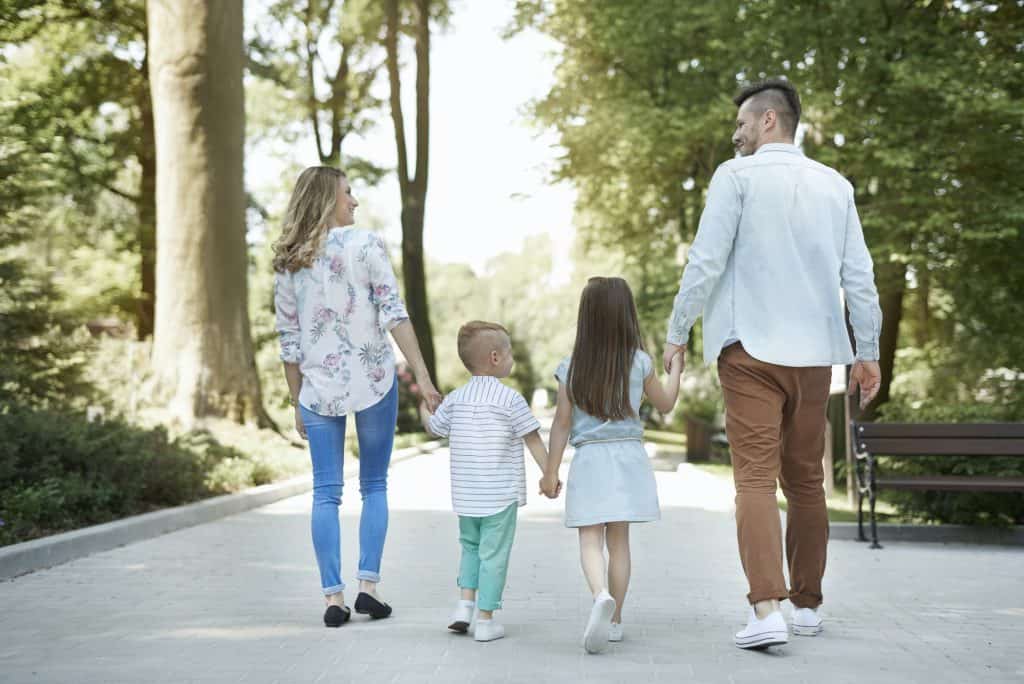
(429, 394)
(300, 427)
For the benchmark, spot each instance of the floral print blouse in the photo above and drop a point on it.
(333, 320)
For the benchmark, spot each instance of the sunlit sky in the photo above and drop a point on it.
(490, 167)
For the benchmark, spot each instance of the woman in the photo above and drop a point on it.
(336, 299)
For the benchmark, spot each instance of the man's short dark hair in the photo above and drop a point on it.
(778, 94)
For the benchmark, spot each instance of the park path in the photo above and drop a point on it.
(237, 600)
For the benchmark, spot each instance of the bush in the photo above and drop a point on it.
(60, 471)
(966, 508)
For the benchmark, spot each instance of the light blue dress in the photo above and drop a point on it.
(610, 478)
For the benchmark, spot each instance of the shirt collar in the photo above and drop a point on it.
(483, 378)
(779, 147)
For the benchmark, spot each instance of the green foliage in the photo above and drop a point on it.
(917, 103)
(60, 471)
(44, 350)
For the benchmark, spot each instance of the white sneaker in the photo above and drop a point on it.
(806, 622)
(462, 616)
(488, 630)
(595, 637)
(771, 631)
(615, 632)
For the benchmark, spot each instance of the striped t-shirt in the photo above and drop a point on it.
(485, 423)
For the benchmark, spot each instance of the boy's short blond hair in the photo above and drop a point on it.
(479, 338)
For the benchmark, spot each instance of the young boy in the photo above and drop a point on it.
(486, 424)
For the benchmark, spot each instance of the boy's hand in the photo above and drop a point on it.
(550, 487)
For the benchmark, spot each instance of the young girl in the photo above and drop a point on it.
(610, 482)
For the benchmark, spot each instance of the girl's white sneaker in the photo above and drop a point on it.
(615, 632)
(595, 637)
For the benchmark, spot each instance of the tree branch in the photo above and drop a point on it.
(422, 94)
(391, 46)
(312, 103)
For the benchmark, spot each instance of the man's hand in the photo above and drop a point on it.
(670, 351)
(300, 427)
(866, 375)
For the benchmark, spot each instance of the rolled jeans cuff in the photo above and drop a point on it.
(335, 589)
(368, 576)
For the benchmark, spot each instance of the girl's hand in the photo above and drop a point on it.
(678, 362)
(550, 486)
(300, 427)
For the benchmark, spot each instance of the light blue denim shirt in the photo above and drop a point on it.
(778, 240)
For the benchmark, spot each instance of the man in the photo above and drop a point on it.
(778, 239)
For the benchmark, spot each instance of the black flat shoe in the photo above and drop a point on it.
(367, 605)
(336, 616)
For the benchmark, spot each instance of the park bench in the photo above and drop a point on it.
(907, 440)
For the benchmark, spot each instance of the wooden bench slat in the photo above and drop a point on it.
(941, 447)
(953, 483)
(945, 430)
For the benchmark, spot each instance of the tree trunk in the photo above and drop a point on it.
(202, 353)
(147, 212)
(413, 191)
(892, 284)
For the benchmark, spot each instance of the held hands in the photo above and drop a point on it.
(674, 359)
(429, 394)
(550, 486)
(867, 375)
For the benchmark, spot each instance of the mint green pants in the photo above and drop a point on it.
(486, 546)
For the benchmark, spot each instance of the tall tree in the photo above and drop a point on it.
(203, 353)
(101, 67)
(916, 102)
(413, 189)
(324, 56)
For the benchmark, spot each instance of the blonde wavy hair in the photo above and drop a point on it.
(310, 215)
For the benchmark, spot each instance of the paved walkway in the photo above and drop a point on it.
(237, 600)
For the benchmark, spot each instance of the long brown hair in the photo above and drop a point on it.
(309, 216)
(607, 338)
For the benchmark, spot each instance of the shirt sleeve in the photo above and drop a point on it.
(286, 316)
(562, 372)
(384, 287)
(708, 254)
(523, 420)
(857, 279)
(441, 421)
(646, 365)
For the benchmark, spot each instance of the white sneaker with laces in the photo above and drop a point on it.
(762, 633)
(488, 630)
(806, 622)
(462, 616)
(615, 632)
(595, 637)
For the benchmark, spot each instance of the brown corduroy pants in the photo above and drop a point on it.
(775, 422)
